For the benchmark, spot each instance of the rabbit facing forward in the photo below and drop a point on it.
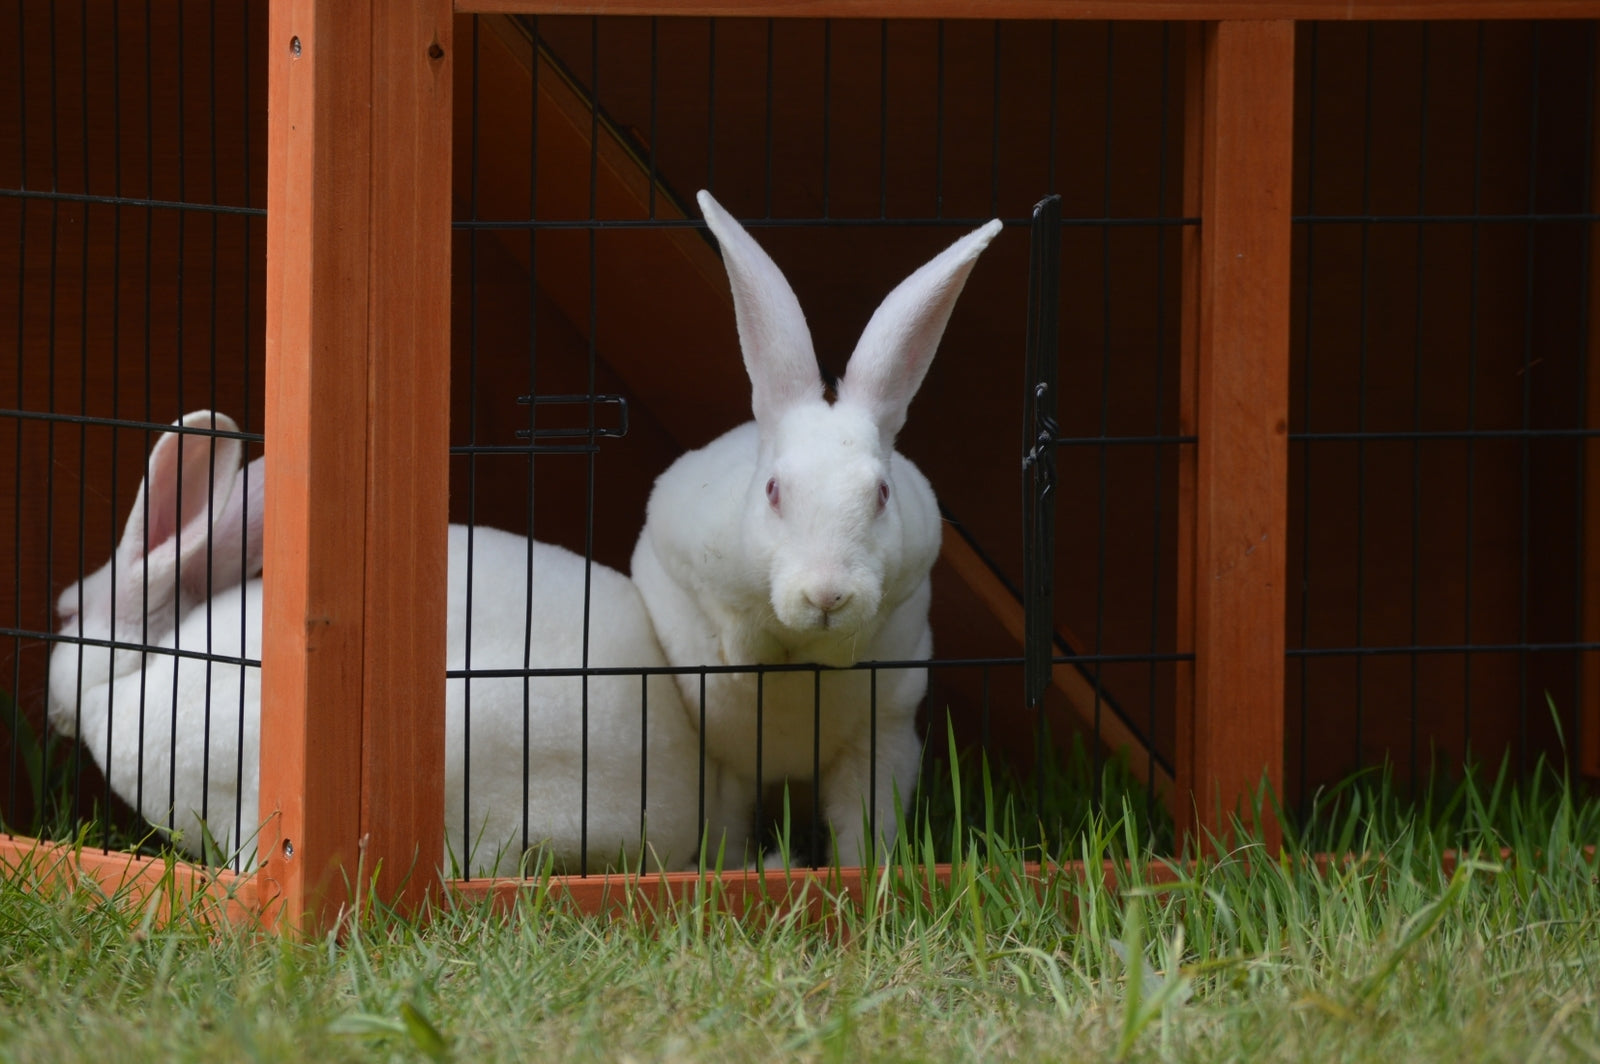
(804, 537)
(177, 731)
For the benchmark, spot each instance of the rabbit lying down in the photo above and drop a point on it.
(803, 536)
(179, 737)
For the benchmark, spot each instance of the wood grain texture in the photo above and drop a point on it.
(1241, 485)
(357, 419)
(319, 152)
(408, 438)
(1060, 9)
(209, 895)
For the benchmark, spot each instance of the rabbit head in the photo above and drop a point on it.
(194, 530)
(842, 525)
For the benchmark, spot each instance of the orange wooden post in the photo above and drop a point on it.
(352, 748)
(1237, 364)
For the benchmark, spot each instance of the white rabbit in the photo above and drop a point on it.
(167, 729)
(803, 536)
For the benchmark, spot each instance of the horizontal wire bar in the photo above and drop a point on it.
(1441, 219)
(131, 201)
(804, 223)
(531, 448)
(145, 648)
(125, 423)
(1441, 648)
(1106, 441)
(1444, 435)
(811, 667)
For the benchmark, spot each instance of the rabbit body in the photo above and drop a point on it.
(642, 753)
(179, 737)
(804, 537)
(189, 761)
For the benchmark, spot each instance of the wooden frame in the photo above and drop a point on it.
(358, 305)
(358, 290)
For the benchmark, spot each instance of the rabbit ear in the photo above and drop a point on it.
(168, 535)
(235, 536)
(898, 344)
(778, 354)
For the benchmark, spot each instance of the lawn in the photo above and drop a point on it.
(1466, 927)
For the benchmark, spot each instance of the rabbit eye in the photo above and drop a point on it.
(772, 492)
(883, 494)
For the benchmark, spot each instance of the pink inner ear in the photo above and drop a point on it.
(179, 486)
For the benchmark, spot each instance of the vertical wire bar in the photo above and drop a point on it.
(655, 114)
(871, 851)
(767, 145)
(244, 348)
(883, 118)
(983, 712)
(1527, 409)
(172, 716)
(700, 733)
(22, 292)
(1472, 394)
(50, 389)
(761, 820)
(644, 760)
(210, 667)
(1416, 403)
(116, 318)
(1039, 431)
(1104, 456)
(1361, 394)
(475, 155)
(816, 761)
(994, 131)
(83, 359)
(533, 405)
(827, 116)
(1306, 450)
(1581, 481)
(1160, 353)
(149, 241)
(711, 105)
(1054, 110)
(591, 361)
(938, 124)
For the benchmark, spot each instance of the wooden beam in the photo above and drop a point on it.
(1242, 409)
(408, 440)
(357, 305)
(207, 894)
(1130, 10)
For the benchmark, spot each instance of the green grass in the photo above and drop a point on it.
(1248, 956)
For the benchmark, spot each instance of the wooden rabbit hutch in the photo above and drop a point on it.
(1324, 463)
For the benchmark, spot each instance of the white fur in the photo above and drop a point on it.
(167, 730)
(829, 575)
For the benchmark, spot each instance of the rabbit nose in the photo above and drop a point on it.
(827, 599)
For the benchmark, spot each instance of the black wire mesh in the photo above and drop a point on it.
(1440, 377)
(132, 192)
(1442, 262)
(851, 150)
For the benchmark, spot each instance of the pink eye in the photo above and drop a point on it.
(883, 494)
(772, 493)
